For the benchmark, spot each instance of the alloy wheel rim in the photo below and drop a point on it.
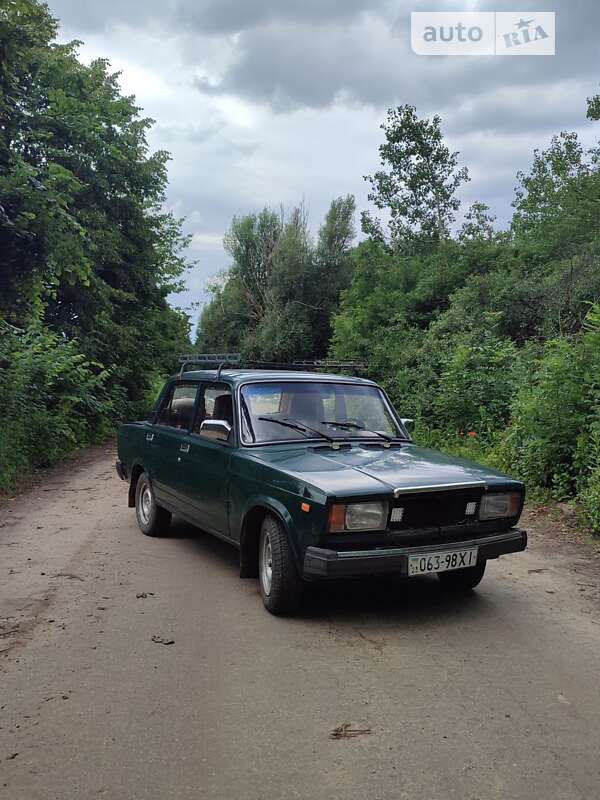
(266, 565)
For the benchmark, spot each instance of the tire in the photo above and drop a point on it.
(153, 520)
(280, 584)
(462, 580)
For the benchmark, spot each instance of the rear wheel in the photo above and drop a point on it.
(280, 584)
(462, 580)
(154, 520)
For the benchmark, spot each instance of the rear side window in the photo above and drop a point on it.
(177, 410)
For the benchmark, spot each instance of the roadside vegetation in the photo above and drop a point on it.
(87, 253)
(489, 338)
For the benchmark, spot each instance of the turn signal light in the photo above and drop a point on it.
(337, 518)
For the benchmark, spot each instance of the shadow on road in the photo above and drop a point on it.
(409, 601)
(205, 545)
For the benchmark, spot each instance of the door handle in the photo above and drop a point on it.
(185, 448)
(149, 437)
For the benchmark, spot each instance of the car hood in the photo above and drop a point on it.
(360, 470)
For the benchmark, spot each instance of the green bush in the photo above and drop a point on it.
(460, 444)
(589, 495)
(547, 417)
(476, 385)
(53, 400)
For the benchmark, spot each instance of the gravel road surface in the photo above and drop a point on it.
(134, 668)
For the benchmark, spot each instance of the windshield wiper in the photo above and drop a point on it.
(355, 426)
(298, 426)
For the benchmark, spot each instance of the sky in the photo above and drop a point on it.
(264, 103)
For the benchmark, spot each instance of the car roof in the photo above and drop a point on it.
(239, 376)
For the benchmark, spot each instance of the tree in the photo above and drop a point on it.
(277, 299)
(251, 242)
(544, 197)
(417, 186)
(478, 224)
(87, 247)
(88, 253)
(593, 110)
(331, 270)
(226, 318)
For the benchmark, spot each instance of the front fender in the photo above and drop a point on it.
(279, 509)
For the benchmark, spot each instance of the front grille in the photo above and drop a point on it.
(434, 509)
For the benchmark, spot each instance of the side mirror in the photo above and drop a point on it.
(216, 429)
(408, 423)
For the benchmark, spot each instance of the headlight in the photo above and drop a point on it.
(358, 517)
(497, 506)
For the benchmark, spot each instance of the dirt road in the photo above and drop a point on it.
(495, 695)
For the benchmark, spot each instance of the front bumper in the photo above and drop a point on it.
(320, 562)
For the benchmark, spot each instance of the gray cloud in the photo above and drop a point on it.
(206, 16)
(369, 61)
(294, 66)
(229, 16)
(310, 53)
(89, 17)
(268, 101)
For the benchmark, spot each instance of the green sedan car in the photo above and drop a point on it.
(313, 477)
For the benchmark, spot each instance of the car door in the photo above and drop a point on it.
(206, 462)
(165, 441)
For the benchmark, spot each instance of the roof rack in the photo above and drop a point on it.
(220, 361)
(209, 361)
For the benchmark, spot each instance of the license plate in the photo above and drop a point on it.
(442, 561)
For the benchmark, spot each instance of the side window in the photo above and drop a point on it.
(216, 402)
(178, 406)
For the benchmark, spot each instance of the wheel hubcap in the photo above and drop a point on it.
(266, 565)
(145, 504)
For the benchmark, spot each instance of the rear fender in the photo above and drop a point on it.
(136, 470)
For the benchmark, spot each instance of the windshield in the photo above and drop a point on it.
(287, 410)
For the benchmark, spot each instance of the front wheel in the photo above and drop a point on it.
(153, 520)
(462, 580)
(280, 584)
